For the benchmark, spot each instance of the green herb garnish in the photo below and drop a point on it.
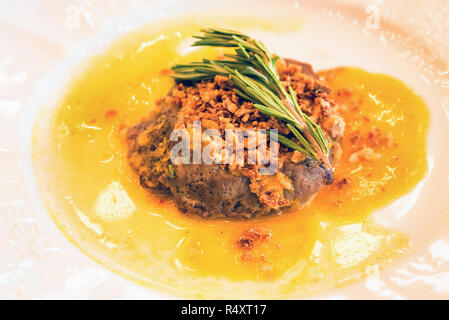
(252, 70)
(171, 171)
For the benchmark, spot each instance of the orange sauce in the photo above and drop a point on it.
(96, 200)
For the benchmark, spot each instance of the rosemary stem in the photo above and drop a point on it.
(253, 73)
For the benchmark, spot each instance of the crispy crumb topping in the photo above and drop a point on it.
(217, 106)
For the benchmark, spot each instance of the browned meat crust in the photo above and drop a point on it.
(233, 190)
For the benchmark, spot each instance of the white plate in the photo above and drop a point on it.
(43, 41)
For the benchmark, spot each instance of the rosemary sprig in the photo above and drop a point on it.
(252, 70)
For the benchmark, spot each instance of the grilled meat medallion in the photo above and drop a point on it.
(233, 190)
